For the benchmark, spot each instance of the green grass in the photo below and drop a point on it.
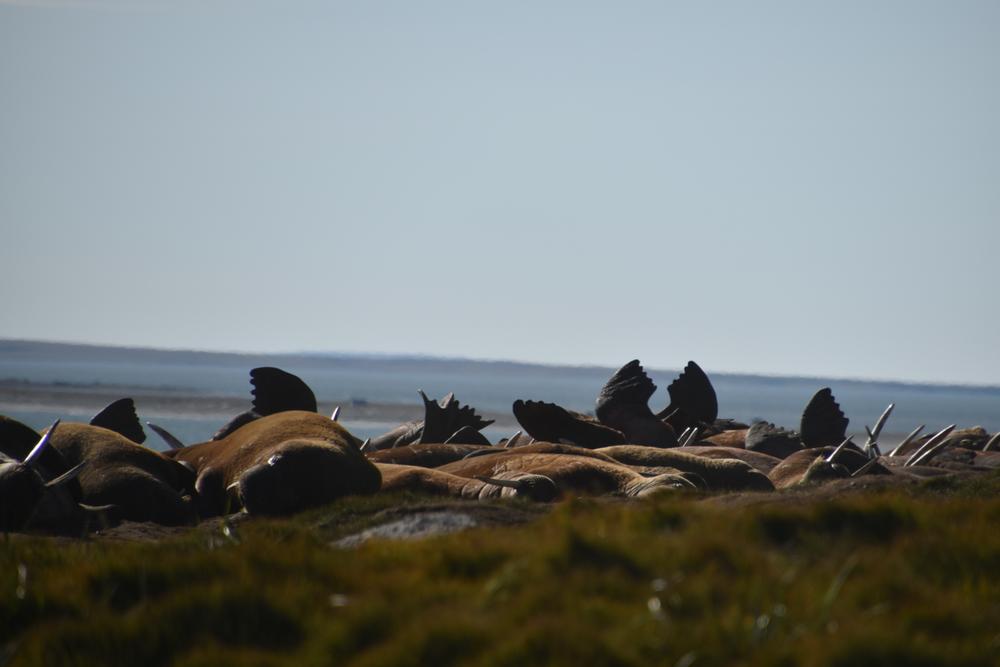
(891, 577)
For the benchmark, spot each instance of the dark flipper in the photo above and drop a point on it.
(120, 417)
(467, 435)
(401, 436)
(549, 422)
(278, 391)
(629, 385)
(623, 405)
(442, 419)
(767, 438)
(823, 423)
(692, 400)
(235, 423)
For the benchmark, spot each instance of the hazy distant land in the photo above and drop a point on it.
(194, 392)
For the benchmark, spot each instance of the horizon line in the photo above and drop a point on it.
(418, 356)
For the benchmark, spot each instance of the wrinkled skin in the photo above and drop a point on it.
(718, 474)
(573, 474)
(427, 456)
(143, 485)
(809, 465)
(397, 477)
(280, 464)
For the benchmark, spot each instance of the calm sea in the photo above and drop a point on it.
(490, 386)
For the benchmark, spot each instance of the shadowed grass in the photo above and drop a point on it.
(890, 576)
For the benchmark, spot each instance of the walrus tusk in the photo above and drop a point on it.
(336, 413)
(172, 441)
(67, 476)
(907, 440)
(366, 444)
(692, 437)
(926, 447)
(509, 483)
(865, 468)
(37, 450)
(513, 439)
(931, 450)
(873, 434)
(683, 435)
(992, 441)
(835, 453)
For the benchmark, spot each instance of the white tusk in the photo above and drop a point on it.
(931, 452)
(510, 484)
(366, 444)
(67, 476)
(512, 440)
(835, 453)
(336, 413)
(992, 441)
(683, 435)
(865, 468)
(871, 445)
(874, 433)
(167, 436)
(907, 440)
(926, 447)
(37, 450)
(692, 437)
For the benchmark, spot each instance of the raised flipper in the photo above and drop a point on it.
(236, 422)
(628, 386)
(443, 418)
(275, 390)
(623, 404)
(467, 435)
(549, 422)
(767, 438)
(120, 417)
(692, 400)
(823, 424)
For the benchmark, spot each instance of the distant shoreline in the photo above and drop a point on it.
(14, 349)
(90, 398)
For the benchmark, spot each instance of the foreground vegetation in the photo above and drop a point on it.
(888, 576)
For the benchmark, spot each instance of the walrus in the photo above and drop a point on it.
(718, 474)
(446, 420)
(427, 456)
(279, 464)
(30, 496)
(623, 404)
(141, 484)
(396, 477)
(573, 474)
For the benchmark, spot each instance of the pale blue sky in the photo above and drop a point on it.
(772, 187)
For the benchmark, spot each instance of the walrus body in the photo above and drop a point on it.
(281, 463)
(427, 456)
(143, 485)
(718, 474)
(437, 482)
(572, 474)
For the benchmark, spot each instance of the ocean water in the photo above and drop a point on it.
(490, 386)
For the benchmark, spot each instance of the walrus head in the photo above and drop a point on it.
(22, 485)
(305, 473)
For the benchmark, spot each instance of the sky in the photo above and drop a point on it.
(790, 188)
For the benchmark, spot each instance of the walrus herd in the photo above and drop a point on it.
(282, 456)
